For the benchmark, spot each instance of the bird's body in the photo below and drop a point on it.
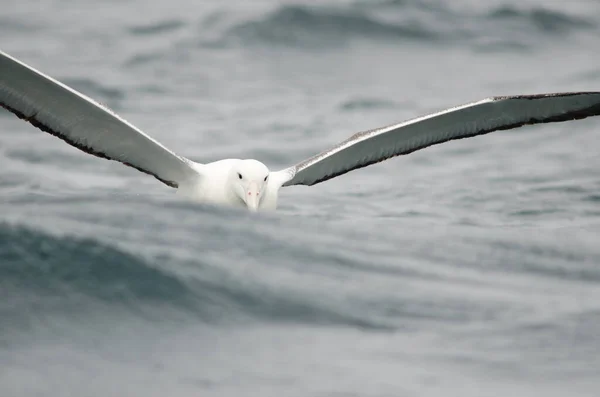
(91, 127)
(209, 188)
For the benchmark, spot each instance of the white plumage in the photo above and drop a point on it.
(82, 122)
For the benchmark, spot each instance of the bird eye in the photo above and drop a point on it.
(266, 177)
(239, 175)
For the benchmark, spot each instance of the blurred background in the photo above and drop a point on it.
(467, 269)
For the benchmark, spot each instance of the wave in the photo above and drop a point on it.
(159, 27)
(359, 103)
(308, 26)
(402, 20)
(438, 7)
(10, 25)
(35, 261)
(542, 19)
(44, 275)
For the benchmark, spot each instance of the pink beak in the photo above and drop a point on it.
(253, 196)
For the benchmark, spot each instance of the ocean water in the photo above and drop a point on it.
(470, 268)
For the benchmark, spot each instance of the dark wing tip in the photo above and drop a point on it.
(541, 96)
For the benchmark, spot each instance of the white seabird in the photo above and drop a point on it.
(87, 125)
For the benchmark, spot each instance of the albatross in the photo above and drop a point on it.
(82, 122)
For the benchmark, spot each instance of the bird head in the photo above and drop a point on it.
(249, 180)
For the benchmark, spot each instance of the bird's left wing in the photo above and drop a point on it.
(478, 118)
(77, 119)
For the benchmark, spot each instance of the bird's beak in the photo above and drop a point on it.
(252, 196)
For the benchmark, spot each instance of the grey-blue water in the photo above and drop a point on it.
(467, 269)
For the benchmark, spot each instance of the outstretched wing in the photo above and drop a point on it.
(77, 119)
(478, 118)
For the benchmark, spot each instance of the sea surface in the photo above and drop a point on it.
(470, 268)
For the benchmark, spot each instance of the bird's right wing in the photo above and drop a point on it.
(85, 124)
